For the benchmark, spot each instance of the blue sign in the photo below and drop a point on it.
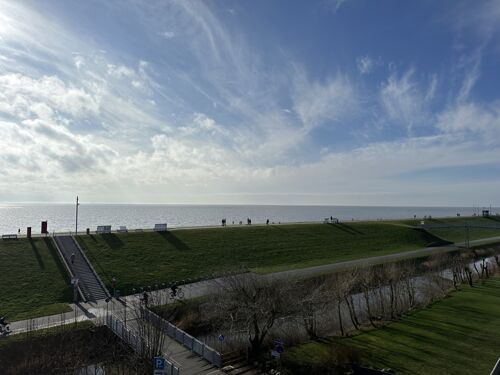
(280, 349)
(159, 363)
(221, 338)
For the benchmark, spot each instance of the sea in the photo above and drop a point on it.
(61, 217)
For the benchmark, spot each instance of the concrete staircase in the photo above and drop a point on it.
(90, 284)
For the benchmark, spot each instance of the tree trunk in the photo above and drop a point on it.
(381, 300)
(391, 286)
(339, 312)
(352, 315)
(368, 309)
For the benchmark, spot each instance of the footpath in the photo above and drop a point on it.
(189, 363)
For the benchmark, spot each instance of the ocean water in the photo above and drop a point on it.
(61, 217)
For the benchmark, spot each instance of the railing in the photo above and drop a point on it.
(68, 268)
(496, 369)
(185, 339)
(91, 267)
(138, 344)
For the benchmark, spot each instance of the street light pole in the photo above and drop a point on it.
(76, 221)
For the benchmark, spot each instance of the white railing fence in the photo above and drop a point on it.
(138, 344)
(184, 338)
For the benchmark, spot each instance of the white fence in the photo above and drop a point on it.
(135, 341)
(190, 342)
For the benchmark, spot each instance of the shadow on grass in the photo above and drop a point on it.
(432, 240)
(494, 218)
(67, 295)
(174, 240)
(346, 228)
(112, 240)
(37, 254)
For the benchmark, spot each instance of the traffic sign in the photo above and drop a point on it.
(159, 363)
(280, 349)
(221, 338)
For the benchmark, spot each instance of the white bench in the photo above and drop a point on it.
(160, 227)
(103, 229)
(9, 236)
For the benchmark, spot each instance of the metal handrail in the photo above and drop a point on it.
(91, 267)
(54, 240)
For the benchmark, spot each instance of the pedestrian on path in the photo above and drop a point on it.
(72, 258)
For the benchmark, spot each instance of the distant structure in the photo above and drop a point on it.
(486, 213)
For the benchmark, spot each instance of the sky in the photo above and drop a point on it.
(327, 102)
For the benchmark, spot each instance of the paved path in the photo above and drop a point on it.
(189, 362)
(342, 266)
(202, 288)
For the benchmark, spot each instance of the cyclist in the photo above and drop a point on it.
(145, 298)
(173, 289)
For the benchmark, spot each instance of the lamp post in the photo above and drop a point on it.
(76, 221)
(107, 303)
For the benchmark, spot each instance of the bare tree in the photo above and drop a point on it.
(311, 297)
(366, 281)
(255, 304)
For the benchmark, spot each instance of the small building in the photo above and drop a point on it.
(486, 213)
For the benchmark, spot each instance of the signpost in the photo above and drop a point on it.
(113, 284)
(221, 339)
(279, 348)
(159, 366)
(74, 282)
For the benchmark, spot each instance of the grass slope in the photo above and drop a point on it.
(33, 281)
(458, 335)
(459, 235)
(141, 259)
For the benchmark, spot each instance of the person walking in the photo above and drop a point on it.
(72, 257)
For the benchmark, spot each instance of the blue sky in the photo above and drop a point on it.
(273, 102)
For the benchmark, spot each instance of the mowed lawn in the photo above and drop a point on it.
(458, 235)
(33, 281)
(458, 335)
(142, 259)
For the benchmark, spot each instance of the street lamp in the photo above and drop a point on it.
(76, 221)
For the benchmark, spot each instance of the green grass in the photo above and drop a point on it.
(142, 259)
(459, 235)
(33, 281)
(458, 335)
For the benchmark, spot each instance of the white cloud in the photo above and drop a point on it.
(405, 102)
(334, 5)
(19, 94)
(317, 103)
(167, 34)
(472, 118)
(120, 71)
(365, 64)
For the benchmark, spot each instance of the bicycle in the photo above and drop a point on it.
(179, 294)
(4, 329)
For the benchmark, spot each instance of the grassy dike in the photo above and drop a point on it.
(142, 259)
(33, 280)
(458, 335)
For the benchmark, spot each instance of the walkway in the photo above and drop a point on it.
(89, 282)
